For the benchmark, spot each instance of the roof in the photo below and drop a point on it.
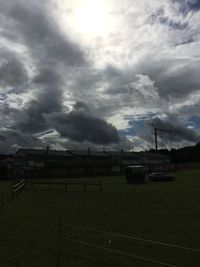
(41, 152)
(135, 166)
(7, 160)
(5, 156)
(69, 153)
(116, 153)
(88, 152)
(124, 154)
(154, 155)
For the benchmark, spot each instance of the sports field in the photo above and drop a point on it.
(153, 224)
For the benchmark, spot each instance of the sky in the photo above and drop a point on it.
(99, 73)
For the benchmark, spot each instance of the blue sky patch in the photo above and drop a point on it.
(195, 5)
(134, 129)
(189, 6)
(137, 125)
(194, 122)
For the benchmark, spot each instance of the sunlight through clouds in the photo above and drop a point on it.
(88, 19)
(108, 63)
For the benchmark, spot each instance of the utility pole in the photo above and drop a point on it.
(161, 130)
(156, 141)
(59, 236)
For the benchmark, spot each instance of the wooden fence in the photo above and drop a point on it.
(21, 185)
(16, 188)
(66, 184)
(4, 201)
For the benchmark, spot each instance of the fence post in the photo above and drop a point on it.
(3, 201)
(12, 194)
(84, 186)
(66, 185)
(59, 235)
(101, 186)
(25, 183)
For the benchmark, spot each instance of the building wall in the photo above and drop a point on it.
(36, 166)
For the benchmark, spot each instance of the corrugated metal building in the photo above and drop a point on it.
(35, 163)
(150, 161)
(90, 162)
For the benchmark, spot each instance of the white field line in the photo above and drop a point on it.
(117, 234)
(134, 238)
(104, 248)
(119, 252)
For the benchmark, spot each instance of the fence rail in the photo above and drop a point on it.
(66, 184)
(18, 187)
(21, 185)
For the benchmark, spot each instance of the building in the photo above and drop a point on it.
(6, 166)
(121, 159)
(150, 161)
(51, 163)
(36, 163)
(90, 162)
(155, 161)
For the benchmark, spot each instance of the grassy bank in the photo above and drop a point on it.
(162, 212)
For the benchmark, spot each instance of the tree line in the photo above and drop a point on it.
(181, 155)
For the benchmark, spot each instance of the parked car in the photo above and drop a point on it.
(160, 177)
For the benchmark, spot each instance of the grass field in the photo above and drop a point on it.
(127, 216)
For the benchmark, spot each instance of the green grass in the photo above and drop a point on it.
(5, 186)
(165, 212)
(5, 190)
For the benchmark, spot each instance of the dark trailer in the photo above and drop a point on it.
(135, 174)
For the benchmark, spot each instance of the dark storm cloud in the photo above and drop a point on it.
(190, 110)
(16, 139)
(175, 78)
(34, 121)
(178, 132)
(2, 138)
(79, 105)
(80, 125)
(50, 93)
(52, 54)
(12, 72)
(10, 116)
(111, 72)
(49, 99)
(39, 30)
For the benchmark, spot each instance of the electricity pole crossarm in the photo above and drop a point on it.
(162, 130)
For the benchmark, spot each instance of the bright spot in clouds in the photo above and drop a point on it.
(90, 18)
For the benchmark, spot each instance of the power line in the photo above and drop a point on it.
(162, 130)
